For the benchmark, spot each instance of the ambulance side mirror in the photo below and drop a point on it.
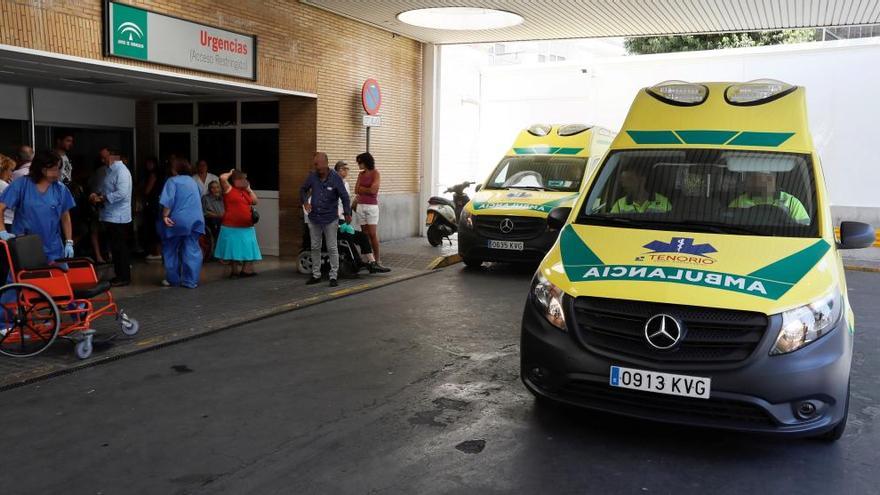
(479, 186)
(856, 235)
(557, 217)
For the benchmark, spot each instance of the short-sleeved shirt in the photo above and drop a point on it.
(783, 200)
(39, 213)
(210, 204)
(658, 204)
(237, 203)
(182, 197)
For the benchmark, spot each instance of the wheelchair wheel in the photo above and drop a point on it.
(129, 326)
(29, 320)
(304, 263)
(206, 244)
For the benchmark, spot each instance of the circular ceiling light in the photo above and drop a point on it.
(460, 18)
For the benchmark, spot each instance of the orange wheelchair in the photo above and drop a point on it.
(43, 302)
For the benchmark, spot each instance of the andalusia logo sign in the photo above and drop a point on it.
(129, 32)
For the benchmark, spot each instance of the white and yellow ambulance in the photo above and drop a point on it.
(544, 169)
(697, 279)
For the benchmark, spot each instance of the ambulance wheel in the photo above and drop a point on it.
(29, 320)
(435, 236)
(129, 326)
(836, 433)
(304, 263)
(472, 263)
(84, 348)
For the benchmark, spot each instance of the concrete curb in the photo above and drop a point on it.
(862, 268)
(444, 261)
(53, 370)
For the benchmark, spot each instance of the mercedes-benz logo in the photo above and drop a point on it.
(506, 226)
(663, 331)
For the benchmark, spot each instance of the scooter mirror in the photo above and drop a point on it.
(557, 217)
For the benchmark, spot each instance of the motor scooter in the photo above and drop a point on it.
(443, 214)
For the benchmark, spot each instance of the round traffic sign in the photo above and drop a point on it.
(371, 96)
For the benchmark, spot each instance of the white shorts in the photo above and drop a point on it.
(367, 214)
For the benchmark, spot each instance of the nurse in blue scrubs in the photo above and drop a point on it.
(182, 223)
(42, 206)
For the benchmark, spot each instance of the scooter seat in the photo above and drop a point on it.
(440, 200)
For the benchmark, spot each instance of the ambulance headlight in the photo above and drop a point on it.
(806, 324)
(548, 299)
(757, 92)
(466, 219)
(679, 93)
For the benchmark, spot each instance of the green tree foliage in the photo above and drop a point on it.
(692, 42)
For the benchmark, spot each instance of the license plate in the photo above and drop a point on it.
(430, 219)
(660, 383)
(509, 245)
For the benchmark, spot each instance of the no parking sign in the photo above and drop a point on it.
(371, 96)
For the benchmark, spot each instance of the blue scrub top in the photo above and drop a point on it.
(39, 213)
(182, 196)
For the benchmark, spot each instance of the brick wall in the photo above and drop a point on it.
(299, 48)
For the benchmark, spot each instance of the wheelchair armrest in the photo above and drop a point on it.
(49, 268)
(79, 260)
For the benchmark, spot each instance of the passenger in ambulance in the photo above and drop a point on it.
(638, 199)
(760, 190)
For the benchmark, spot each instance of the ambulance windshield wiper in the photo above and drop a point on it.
(613, 220)
(535, 188)
(715, 227)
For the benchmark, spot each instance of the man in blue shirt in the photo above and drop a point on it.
(114, 196)
(326, 189)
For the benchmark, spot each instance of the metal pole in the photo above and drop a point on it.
(368, 139)
(32, 131)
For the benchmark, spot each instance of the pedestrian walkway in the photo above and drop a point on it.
(169, 315)
(867, 260)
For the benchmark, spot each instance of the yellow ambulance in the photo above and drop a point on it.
(697, 279)
(544, 169)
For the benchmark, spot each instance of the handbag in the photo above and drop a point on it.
(255, 216)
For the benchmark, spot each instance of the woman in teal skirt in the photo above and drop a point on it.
(237, 242)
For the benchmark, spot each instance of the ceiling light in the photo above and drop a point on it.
(460, 18)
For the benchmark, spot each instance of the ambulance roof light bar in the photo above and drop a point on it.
(757, 92)
(572, 129)
(540, 130)
(679, 93)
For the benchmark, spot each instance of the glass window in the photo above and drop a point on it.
(259, 112)
(711, 190)
(542, 172)
(259, 157)
(13, 133)
(217, 147)
(174, 113)
(218, 113)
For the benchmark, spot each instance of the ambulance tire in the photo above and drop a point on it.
(836, 433)
(472, 263)
(435, 237)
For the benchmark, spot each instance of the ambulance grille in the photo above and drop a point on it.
(713, 411)
(616, 328)
(524, 228)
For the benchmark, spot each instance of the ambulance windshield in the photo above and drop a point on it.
(710, 190)
(539, 172)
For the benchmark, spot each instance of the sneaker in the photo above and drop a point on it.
(313, 281)
(153, 257)
(371, 267)
(118, 282)
(381, 269)
(334, 283)
(165, 283)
